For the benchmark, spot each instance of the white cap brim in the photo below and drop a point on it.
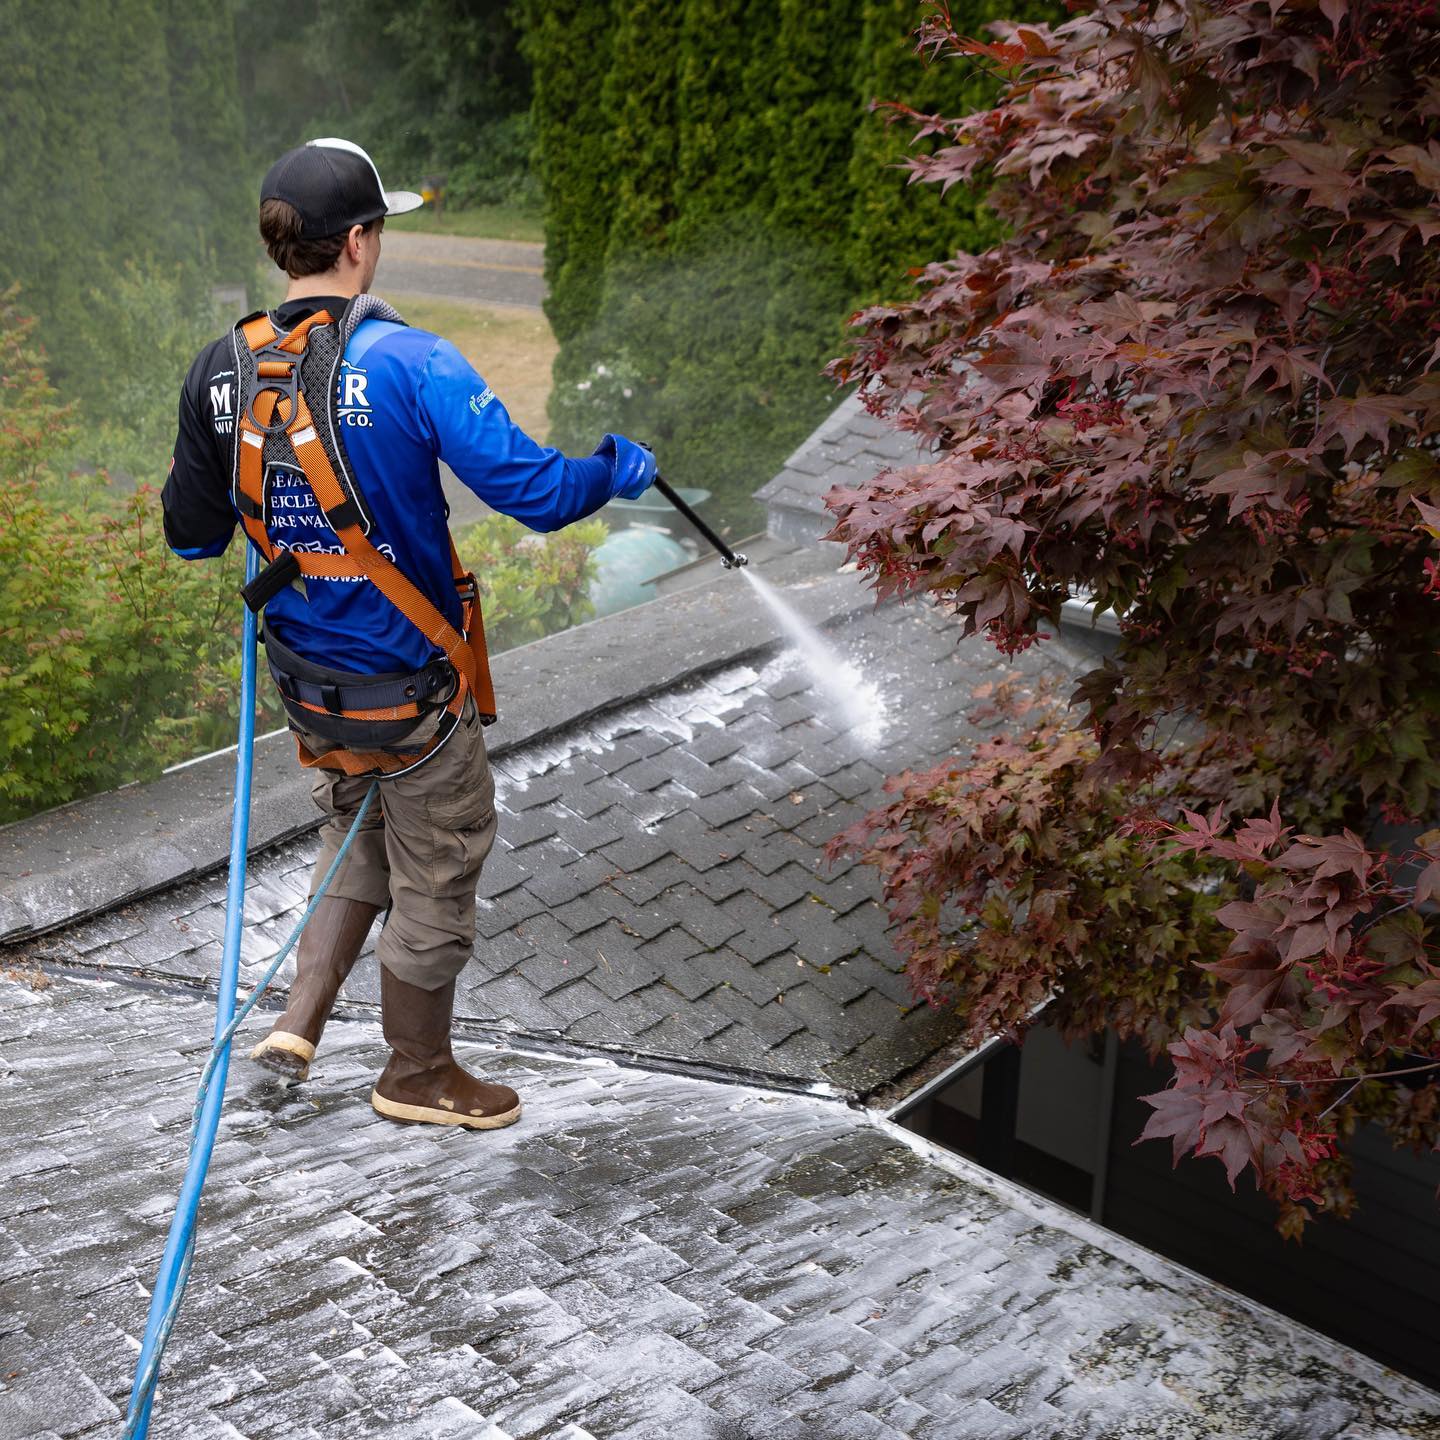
(398, 202)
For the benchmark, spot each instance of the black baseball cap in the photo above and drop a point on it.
(333, 184)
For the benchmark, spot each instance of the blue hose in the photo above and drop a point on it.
(174, 1271)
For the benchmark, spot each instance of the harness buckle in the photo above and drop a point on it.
(442, 681)
(277, 370)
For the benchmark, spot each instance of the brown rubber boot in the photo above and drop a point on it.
(329, 947)
(422, 1083)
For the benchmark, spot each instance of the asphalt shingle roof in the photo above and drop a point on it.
(642, 1257)
(693, 1239)
(848, 448)
(659, 885)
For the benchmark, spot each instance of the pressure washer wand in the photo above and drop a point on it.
(731, 559)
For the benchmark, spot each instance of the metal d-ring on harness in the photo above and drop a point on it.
(174, 1271)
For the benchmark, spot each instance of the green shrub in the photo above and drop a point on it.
(155, 323)
(531, 585)
(113, 652)
(41, 691)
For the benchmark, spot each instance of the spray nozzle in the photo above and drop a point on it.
(735, 560)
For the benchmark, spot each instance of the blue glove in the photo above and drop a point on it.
(633, 466)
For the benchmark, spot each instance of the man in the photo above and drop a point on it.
(336, 481)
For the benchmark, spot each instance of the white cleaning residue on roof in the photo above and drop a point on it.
(850, 698)
(678, 713)
(847, 701)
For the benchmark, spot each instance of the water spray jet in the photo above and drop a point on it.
(850, 698)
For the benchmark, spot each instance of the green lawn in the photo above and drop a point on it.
(487, 222)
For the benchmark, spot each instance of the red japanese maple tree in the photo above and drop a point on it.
(1198, 387)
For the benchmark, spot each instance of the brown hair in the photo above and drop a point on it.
(280, 230)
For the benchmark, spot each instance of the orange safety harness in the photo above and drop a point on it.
(277, 359)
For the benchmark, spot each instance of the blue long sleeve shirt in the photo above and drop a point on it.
(406, 401)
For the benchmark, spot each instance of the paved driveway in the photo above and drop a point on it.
(452, 267)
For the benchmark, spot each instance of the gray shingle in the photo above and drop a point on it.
(702, 918)
(518, 829)
(586, 834)
(493, 917)
(580, 914)
(635, 850)
(560, 884)
(671, 949)
(721, 882)
(734, 802)
(715, 743)
(540, 791)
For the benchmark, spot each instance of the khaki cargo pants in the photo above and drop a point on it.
(420, 851)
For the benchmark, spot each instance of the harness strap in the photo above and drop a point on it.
(318, 688)
(365, 762)
(277, 385)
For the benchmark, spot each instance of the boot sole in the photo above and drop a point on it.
(287, 1067)
(430, 1115)
(286, 1054)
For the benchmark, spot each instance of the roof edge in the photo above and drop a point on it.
(1161, 1270)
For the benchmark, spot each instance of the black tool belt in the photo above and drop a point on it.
(323, 701)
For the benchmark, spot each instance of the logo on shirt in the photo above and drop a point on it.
(354, 406)
(296, 522)
(222, 401)
(480, 401)
(291, 507)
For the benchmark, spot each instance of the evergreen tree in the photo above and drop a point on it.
(710, 409)
(895, 226)
(294, 85)
(433, 86)
(727, 66)
(812, 129)
(86, 169)
(120, 164)
(568, 43)
(608, 375)
(437, 87)
(641, 113)
(215, 200)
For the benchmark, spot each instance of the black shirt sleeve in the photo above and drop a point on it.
(199, 518)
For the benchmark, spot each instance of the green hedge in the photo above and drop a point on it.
(894, 225)
(568, 44)
(814, 115)
(719, 198)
